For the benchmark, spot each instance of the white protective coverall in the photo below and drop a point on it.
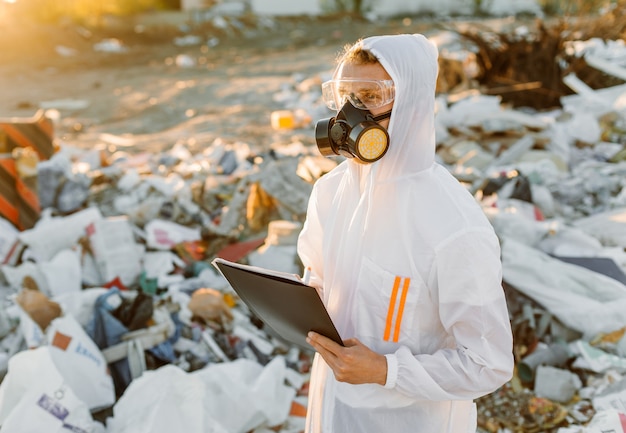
(406, 262)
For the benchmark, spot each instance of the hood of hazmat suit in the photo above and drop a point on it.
(406, 261)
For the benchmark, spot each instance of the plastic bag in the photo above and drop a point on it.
(71, 360)
(43, 402)
(233, 397)
(81, 363)
(570, 292)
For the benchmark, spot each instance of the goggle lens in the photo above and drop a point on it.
(363, 94)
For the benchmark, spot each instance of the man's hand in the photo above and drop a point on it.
(355, 363)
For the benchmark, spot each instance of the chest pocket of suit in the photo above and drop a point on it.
(386, 305)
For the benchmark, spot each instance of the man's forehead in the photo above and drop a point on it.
(373, 71)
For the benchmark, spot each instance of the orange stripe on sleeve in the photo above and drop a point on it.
(392, 304)
(405, 291)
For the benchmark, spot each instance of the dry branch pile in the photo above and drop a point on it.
(527, 70)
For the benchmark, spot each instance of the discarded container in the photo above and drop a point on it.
(279, 250)
(283, 119)
(114, 249)
(554, 355)
(289, 119)
(36, 132)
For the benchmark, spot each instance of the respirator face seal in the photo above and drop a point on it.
(353, 133)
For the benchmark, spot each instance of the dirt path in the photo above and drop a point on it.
(228, 93)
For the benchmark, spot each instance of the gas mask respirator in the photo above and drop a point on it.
(353, 133)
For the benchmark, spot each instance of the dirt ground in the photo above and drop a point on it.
(144, 95)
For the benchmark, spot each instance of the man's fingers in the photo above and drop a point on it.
(319, 340)
(351, 342)
(352, 363)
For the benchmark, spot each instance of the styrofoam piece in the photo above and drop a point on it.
(556, 384)
(115, 250)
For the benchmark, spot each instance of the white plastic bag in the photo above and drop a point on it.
(233, 397)
(33, 335)
(583, 300)
(63, 272)
(41, 402)
(163, 401)
(51, 235)
(248, 395)
(71, 358)
(80, 305)
(80, 362)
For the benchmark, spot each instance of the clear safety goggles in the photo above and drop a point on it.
(363, 94)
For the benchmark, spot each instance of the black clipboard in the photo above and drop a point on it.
(282, 301)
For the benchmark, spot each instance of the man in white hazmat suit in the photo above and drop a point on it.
(404, 259)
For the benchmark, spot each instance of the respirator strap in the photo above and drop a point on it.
(383, 116)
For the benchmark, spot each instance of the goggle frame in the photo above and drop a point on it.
(331, 93)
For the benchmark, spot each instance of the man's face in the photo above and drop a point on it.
(373, 71)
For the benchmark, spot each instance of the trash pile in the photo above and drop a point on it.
(113, 319)
(551, 180)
